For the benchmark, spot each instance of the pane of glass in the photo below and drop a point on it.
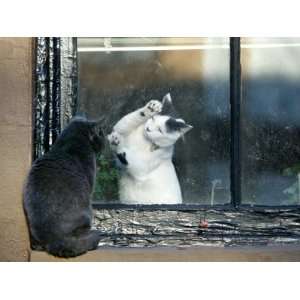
(270, 121)
(119, 75)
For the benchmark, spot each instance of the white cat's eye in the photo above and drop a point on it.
(159, 129)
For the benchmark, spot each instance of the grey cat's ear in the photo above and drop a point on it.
(99, 126)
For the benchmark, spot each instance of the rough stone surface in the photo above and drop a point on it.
(16, 140)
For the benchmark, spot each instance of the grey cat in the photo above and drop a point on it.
(58, 189)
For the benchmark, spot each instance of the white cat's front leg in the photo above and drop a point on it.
(133, 120)
(151, 109)
(116, 144)
(115, 141)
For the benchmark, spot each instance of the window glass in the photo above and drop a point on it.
(270, 121)
(119, 75)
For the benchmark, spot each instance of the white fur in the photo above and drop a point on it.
(149, 177)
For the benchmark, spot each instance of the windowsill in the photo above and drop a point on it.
(195, 254)
(135, 235)
(197, 228)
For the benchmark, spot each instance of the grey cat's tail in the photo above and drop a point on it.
(74, 246)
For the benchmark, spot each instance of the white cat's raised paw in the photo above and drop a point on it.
(114, 139)
(152, 108)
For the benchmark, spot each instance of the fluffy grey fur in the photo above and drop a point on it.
(58, 189)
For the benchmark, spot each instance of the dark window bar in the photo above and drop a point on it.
(235, 102)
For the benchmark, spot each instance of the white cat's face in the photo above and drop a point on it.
(164, 131)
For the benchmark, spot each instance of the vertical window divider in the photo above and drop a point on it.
(235, 104)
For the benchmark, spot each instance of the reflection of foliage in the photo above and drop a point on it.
(294, 170)
(293, 191)
(106, 186)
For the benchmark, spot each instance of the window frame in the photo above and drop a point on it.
(56, 98)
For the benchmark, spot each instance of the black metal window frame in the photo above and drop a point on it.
(56, 99)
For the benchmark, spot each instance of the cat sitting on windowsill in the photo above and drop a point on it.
(143, 142)
(58, 189)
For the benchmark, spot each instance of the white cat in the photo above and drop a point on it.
(143, 142)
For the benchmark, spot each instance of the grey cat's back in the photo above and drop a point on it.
(60, 186)
(57, 193)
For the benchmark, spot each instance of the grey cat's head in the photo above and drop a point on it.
(80, 132)
(164, 130)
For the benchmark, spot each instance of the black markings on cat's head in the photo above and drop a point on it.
(174, 125)
(178, 125)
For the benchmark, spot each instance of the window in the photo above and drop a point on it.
(241, 96)
(120, 75)
(270, 121)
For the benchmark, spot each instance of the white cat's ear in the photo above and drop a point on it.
(167, 105)
(167, 99)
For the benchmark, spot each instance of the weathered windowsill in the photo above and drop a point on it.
(123, 228)
(137, 235)
(194, 254)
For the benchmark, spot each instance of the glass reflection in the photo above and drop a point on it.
(271, 121)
